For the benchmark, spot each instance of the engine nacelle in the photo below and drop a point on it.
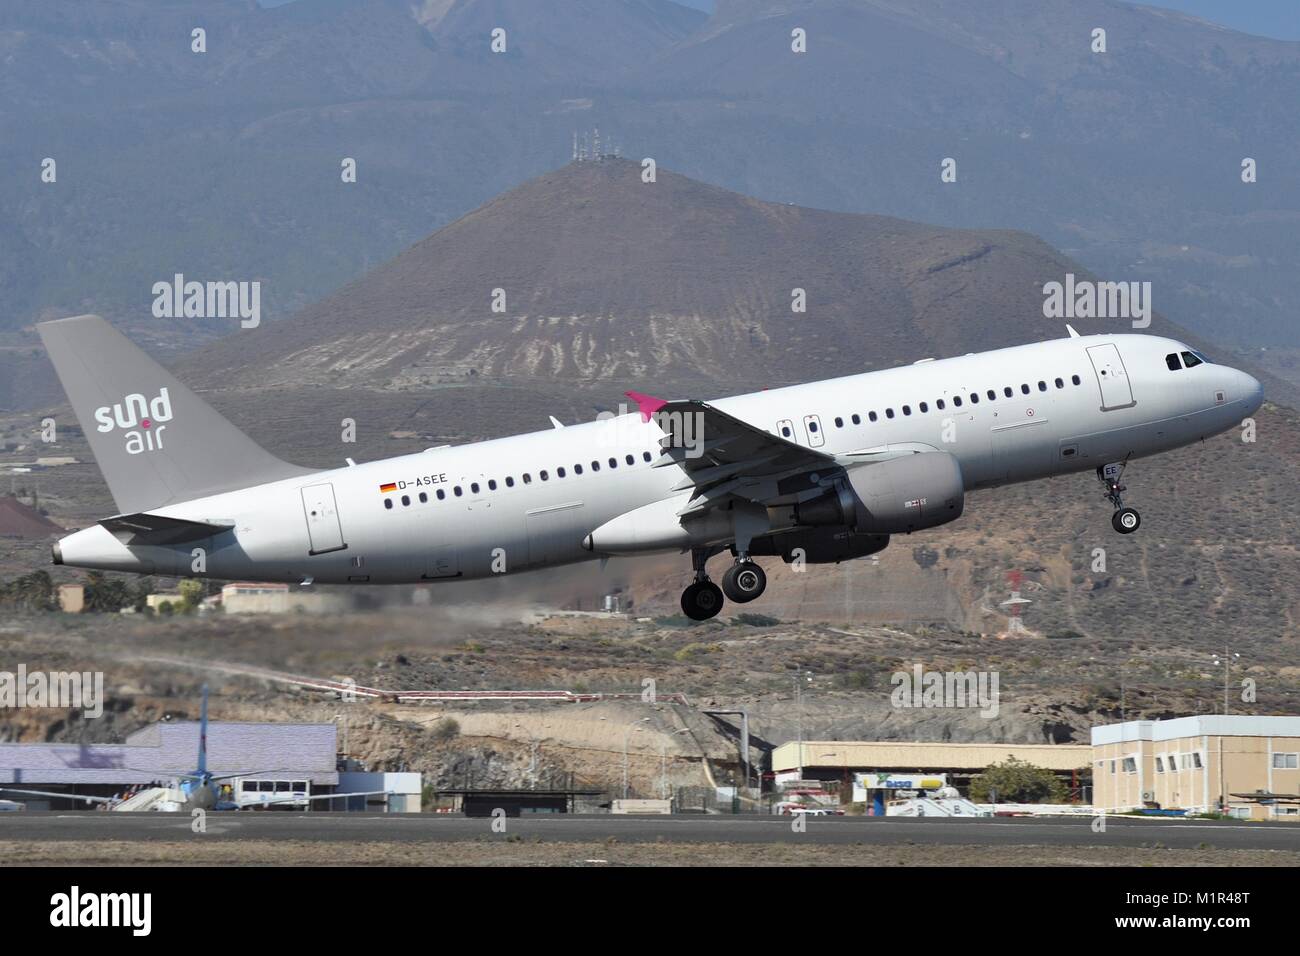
(819, 545)
(892, 497)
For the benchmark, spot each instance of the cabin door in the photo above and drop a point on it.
(324, 532)
(1111, 377)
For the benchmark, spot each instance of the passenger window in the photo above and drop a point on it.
(595, 466)
(939, 405)
(1024, 389)
(1172, 361)
(577, 469)
(442, 494)
(456, 491)
(424, 498)
(1042, 386)
(1060, 384)
(1190, 360)
(613, 463)
(956, 401)
(907, 409)
(858, 421)
(924, 408)
(991, 394)
(474, 486)
(492, 484)
(645, 455)
(629, 459)
(388, 503)
(1007, 391)
(785, 431)
(510, 483)
(839, 423)
(889, 413)
(528, 480)
(1075, 380)
(543, 475)
(974, 398)
(406, 500)
(559, 472)
(812, 427)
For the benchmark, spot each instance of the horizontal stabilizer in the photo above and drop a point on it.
(145, 528)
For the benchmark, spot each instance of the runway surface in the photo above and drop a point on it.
(870, 831)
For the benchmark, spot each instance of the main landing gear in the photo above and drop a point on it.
(1124, 520)
(743, 582)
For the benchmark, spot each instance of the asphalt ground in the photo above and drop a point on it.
(680, 829)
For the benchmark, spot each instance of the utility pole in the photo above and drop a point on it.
(798, 711)
(626, 734)
(1227, 669)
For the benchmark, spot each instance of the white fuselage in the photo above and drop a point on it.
(338, 526)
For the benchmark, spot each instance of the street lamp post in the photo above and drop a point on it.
(627, 734)
(1227, 668)
(799, 677)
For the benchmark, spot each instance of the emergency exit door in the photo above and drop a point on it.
(1111, 377)
(812, 425)
(324, 532)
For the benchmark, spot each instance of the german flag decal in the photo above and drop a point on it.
(391, 486)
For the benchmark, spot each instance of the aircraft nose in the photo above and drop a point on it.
(1251, 391)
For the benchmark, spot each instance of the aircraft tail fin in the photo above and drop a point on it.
(155, 441)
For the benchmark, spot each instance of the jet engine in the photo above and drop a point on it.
(897, 496)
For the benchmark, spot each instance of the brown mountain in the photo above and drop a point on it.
(670, 285)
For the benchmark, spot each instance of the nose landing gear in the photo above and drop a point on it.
(1124, 520)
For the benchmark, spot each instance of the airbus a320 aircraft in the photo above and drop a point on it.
(819, 473)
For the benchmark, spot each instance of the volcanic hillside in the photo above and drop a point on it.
(672, 285)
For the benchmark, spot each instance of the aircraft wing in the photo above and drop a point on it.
(61, 796)
(724, 457)
(146, 528)
(1264, 796)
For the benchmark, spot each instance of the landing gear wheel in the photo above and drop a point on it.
(702, 600)
(743, 582)
(1126, 520)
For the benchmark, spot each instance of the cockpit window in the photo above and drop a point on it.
(1172, 361)
(1190, 359)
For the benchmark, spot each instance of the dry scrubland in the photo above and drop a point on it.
(1051, 689)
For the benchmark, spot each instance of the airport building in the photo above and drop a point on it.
(1200, 764)
(299, 759)
(243, 597)
(842, 761)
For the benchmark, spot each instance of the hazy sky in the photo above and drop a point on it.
(1268, 18)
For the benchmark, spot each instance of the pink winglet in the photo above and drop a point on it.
(647, 403)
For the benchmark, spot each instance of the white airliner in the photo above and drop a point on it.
(818, 473)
